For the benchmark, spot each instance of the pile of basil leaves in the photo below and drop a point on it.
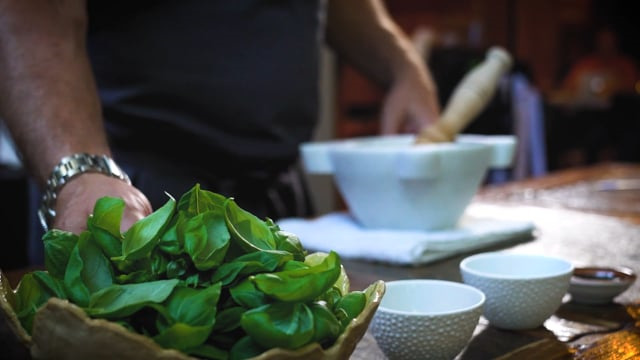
(200, 275)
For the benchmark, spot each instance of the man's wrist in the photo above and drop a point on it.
(68, 168)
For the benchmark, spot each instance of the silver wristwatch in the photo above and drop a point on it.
(68, 168)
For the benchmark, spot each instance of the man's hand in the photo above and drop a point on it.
(411, 104)
(77, 198)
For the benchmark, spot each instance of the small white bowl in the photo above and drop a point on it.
(426, 319)
(599, 285)
(522, 290)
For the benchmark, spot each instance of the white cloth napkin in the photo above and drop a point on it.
(341, 233)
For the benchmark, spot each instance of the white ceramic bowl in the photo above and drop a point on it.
(426, 319)
(389, 182)
(522, 290)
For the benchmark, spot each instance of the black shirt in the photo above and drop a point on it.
(231, 82)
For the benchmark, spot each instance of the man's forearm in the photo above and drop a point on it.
(363, 32)
(47, 93)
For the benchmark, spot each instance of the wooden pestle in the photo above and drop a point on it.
(469, 98)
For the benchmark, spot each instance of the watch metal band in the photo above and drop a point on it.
(68, 168)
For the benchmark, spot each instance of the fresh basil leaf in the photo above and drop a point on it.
(300, 285)
(206, 239)
(177, 268)
(246, 348)
(331, 297)
(96, 271)
(251, 263)
(196, 201)
(107, 214)
(109, 244)
(58, 245)
(326, 327)
(228, 319)
(117, 301)
(32, 292)
(196, 307)
(182, 336)
(135, 277)
(193, 280)
(245, 294)
(143, 236)
(208, 352)
(104, 224)
(281, 324)
(158, 263)
(247, 231)
(51, 285)
(169, 240)
(342, 283)
(294, 265)
(352, 304)
(75, 287)
(286, 241)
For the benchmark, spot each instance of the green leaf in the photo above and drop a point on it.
(143, 236)
(169, 241)
(294, 265)
(331, 297)
(30, 295)
(281, 324)
(117, 301)
(352, 304)
(245, 294)
(135, 277)
(182, 336)
(96, 272)
(107, 214)
(51, 285)
(251, 263)
(326, 327)
(247, 231)
(196, 201)
(228, 319)
(342, 283)
(109, 244)
(177, 268)
(158, 263)
(245, 348)
(75, 287)
(196, 307)
(208, 352)
(302, 285)
(58, 245)
(286, 241)
(104, 225)
(193, 281)
(206, 239)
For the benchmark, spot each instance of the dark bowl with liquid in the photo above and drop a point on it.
(599, 285)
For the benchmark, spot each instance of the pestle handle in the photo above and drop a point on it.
(469, 98)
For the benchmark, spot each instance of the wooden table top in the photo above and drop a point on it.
(590, 216)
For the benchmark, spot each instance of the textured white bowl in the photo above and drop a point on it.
(426, 319)
(522, 290)
(389, 182)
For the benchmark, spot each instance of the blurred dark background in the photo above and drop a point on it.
(546, 38)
